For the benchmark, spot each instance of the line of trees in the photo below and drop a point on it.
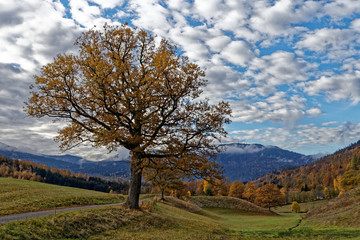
(27, 170)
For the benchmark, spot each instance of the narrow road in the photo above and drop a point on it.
(23, 216)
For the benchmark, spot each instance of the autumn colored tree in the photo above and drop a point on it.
(123, 89)
(221, 187)
(207, 188)
(250, 191)
(236, 189)
(350, 180)
(268, 195)
(295, 207)
(164, 179)
(354, 164)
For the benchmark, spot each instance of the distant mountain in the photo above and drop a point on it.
(243, 162)
(50, 161)
(110, 169)
(247, 162)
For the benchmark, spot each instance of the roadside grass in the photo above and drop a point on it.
(117, 222)
(19, 196)
(80, 224)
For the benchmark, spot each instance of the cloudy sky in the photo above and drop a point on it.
(289, 68)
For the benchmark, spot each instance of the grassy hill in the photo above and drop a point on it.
(18, 196)
(342, 211)
(229, 203)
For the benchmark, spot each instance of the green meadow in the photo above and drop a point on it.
(19, 196)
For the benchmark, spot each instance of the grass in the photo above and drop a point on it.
(168, 222)
(230, 203)
(175, 219)
(342, 211)
(18, 196)
(164, 222)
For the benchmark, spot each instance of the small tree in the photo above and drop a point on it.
(295, 207)
(164, 179)
(268, 196)
(236, 189)
(123, 89)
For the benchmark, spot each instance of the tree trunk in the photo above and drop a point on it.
(135, 187)
(162, 194)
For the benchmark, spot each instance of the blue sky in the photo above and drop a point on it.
(289, 68)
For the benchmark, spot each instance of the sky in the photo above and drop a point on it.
(289, 68)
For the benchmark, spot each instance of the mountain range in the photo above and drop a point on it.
(240, 161)
(247, 162)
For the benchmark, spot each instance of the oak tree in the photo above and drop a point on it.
(125, 89)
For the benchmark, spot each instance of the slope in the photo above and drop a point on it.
(343, 211)
(19, 196)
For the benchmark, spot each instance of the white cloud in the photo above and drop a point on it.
(108, 3)
(279, 68)
(218, 43)
(151, 15)
(277, 19)
(238, 53)
(338, 9)
(342, 86)
(336, 43)
(32, 39)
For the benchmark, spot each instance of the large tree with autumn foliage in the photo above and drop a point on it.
(124, 89)
(268, 195)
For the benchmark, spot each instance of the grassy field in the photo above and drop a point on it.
(18, 196)
(161, 221)
(176, 219)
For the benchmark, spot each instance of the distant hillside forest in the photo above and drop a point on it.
(22, 169)
(325, 178)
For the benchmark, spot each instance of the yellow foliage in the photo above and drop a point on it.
(295, 207)
(236, 189)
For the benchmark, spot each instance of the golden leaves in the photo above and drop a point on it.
(122, 89)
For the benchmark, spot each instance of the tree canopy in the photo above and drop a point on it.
(124, 89)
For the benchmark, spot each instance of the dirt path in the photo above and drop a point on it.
(23, 216)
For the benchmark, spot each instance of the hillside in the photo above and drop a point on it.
(342, 211)
(229, 203)
(18, 196)
(333, 172)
